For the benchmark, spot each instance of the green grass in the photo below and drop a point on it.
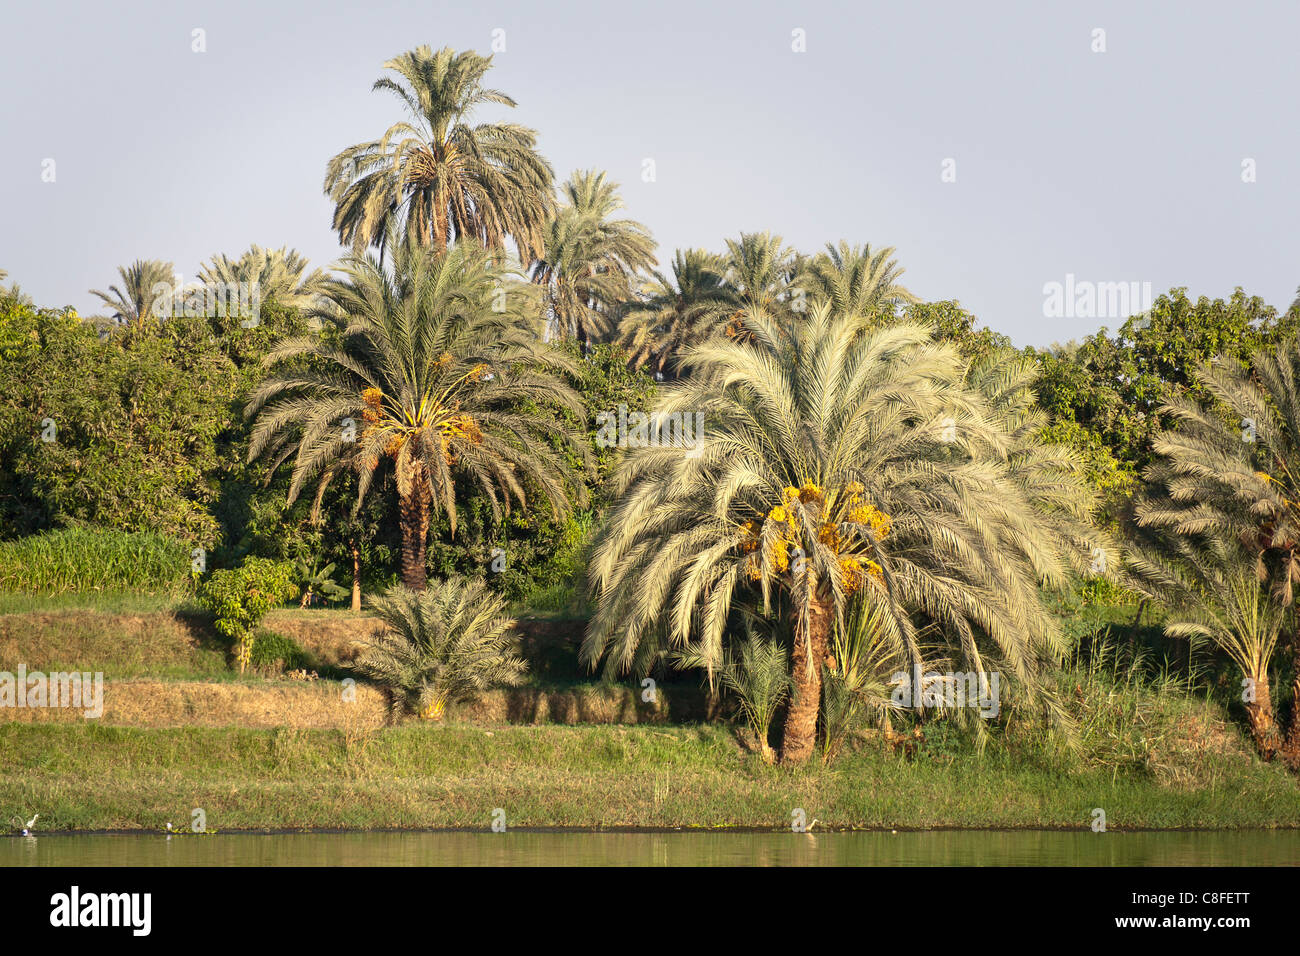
(112, 602)
(82, 777)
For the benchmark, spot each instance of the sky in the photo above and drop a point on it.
(999, 147)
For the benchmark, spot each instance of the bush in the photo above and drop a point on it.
(272, 650)
(240, 597)
(84, 559)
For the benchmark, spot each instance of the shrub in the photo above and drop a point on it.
(272, 650)
(442, 645)
(82, 559)
(240, 597)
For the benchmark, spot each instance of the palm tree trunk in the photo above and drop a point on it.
(1291, 748)
(356, 579)
(441, 226)
(415, 532)
(1263, 728)
(801, 717)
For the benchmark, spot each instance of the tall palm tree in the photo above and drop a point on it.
(144, 284)
(835, 458)
(679, 312)
(858, 280)
(443, 176)
(589, 257)
(1233, 469)
(281, 274)
(430, 377)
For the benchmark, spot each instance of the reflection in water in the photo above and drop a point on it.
(532, 848)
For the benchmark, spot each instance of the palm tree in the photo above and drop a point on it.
(146, 285)
(858, 280)
(442, 645)
(762, 271)
(1233, 470)
(428, 375)
(1214, 592)
(441, 175)
(588, 257)
(678, 313)
(835, 458)
(279, 274)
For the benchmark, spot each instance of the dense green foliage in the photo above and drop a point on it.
(877, 481)
(240, 597)
(83, 559)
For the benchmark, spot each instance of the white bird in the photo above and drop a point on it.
(27, 827)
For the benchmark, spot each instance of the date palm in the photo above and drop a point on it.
(443, 645)
(441, 175)
(679, 312)
(589, 257)
(1212, 589)
(145, 283)
(1232, 469)
(858, 280)
(280, 274)
(762, 271)
(836, 458)
(428, 365)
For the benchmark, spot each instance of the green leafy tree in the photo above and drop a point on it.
(123, 432)
(240, 597)
(1115, 386)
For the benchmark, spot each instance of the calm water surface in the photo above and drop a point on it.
(524, 848)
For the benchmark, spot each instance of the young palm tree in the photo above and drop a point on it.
(1214, 592)
(835, 458)
(421, 370)
(437, 172)
(589, 258)
(279, 274)
(1233, 470)
(144, 283)
(857, 280)
(678, 313)
(442, 645)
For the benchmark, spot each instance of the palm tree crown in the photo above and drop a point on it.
(588, 257)
(444, 177)
(677, 313)
(145, 283)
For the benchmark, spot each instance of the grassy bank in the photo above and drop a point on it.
(83, 777)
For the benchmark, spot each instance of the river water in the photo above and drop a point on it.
(677, 848)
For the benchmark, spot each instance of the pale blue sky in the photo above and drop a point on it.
(1115, 166)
